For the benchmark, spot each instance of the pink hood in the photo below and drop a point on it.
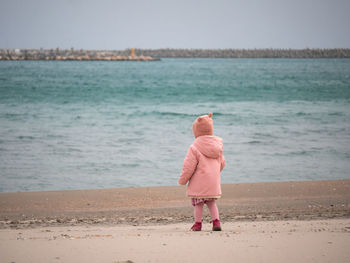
(210, 146)
(202, 166)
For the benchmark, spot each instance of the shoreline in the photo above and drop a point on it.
(300, 200)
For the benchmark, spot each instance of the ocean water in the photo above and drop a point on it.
(83, 125)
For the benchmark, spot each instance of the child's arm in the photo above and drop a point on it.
(190, 165)
(222, 161)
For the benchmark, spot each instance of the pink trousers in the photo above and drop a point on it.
(198, 210)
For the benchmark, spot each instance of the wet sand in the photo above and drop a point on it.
(163, 205)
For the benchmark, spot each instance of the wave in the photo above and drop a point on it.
(300, 113)
(176, 114)
(23, 137)
(336, 114)
(253, 142)
(170, 113)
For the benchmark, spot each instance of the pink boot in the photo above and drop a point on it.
(216, 225)
(197, 226)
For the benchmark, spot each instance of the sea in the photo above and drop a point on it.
(93, 124)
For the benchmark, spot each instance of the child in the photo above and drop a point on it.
(202, 166)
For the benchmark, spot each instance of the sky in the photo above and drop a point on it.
(152, 24)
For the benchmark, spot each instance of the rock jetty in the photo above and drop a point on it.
(156, 54)
(247, 53)
(72, 54)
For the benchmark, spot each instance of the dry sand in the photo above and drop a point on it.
(262, 222)
(263, 241)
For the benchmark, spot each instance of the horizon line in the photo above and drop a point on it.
(170, 48)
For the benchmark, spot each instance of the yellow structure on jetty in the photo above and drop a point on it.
(133, 52)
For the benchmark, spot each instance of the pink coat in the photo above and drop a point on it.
(202, 166)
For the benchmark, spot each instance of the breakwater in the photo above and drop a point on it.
(72, 54)
(247, 53)
(156, 54)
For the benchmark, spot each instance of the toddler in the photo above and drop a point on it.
(202, 166)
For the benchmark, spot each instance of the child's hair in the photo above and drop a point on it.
(203, 125)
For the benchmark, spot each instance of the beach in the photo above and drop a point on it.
(262, 222)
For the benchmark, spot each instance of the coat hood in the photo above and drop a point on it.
(203, 125)
(210, 146)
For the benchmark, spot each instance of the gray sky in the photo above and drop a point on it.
(120, 24)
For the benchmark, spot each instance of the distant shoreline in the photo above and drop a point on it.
(157, 54)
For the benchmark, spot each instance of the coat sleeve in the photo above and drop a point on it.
(190, 165)
(223, 162)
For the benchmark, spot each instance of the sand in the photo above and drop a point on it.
(262, 222)
(263, 241)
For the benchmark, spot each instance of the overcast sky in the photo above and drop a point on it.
(120, 24)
